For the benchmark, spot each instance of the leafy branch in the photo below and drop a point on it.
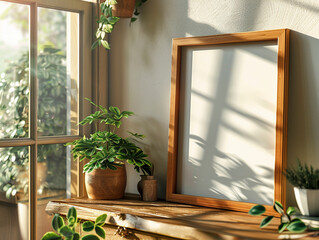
(106, 24)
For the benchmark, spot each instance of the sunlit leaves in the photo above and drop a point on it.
(257, 210)
(107, 21)
(297, 226)
(72, 213)
(51, 236)
(100, 231)
(106, 24)
(100, 220)
(282, 227)
(88, 226)
(68, 232)
(90, 237)
(105, 149)
(279, 208)
(57, 222)
(287, 220)
(266, 221)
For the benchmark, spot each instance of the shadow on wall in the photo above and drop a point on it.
(238, 181)
(303, 104)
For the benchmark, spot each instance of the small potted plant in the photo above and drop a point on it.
(105, 174)
(111, 12)
(305, 180)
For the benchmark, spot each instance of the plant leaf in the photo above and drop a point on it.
(291, 210)
(105, 44)
(51, 236)
(57, 222)
(279, 208)
(282, 227)
(100, 231)
(88, 226)
(100, 220)
(266, 221)
(72, 213)
(71, 221)
(257, 210)
(94, 45)
(76, 236)
(66, 231)
(297, 226)
(90, 237)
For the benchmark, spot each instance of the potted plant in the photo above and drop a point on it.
(105, 175)
(306, 187)
(111, 12)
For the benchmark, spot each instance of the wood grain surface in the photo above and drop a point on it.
(173, 219)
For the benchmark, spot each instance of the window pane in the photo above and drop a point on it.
(58, 75)
(14, 181)
(14, 70)
(53, 180)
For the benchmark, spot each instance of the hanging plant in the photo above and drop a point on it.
(108, 19)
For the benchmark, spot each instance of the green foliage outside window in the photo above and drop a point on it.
(52, 118)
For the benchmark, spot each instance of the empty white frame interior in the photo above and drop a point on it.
(227, 122)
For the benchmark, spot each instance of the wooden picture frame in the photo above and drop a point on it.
(281, 37)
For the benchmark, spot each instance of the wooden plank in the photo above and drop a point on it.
(172, 219)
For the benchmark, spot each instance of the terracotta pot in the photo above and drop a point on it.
(123, 8)
(106, 184)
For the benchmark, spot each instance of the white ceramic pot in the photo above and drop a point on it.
(307, 200)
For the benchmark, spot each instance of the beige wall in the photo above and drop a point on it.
(140, 66)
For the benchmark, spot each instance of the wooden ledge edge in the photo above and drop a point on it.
(130, 221)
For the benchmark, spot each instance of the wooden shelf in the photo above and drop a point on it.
(173, 220)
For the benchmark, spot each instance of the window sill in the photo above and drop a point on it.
(172, 220)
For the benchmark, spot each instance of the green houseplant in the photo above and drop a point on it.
(305, 180)
(69, 230)
(107, 21)
(107, 152)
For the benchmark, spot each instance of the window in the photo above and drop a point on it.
(42, 87)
